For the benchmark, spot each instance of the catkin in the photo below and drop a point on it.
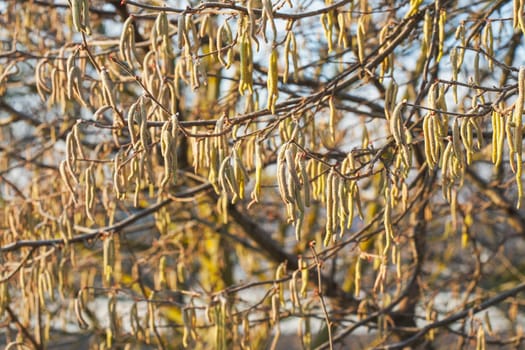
(327, 23)
(182, 33)
(427, 33)
(498, 134)
(518, 131)
(127, 48)
(396, 124)
(169, 135)
(118, 186)
(246, 65)
(107, 86)
(65, 175)
(89, 179)
(518, 12)
(387, 219)
(267, 15)
(446, 165)
(76, 14)
(273, 90)
(329, 200)
(488, 42)
(226, 180)
(361, 33)
(79, 307)
(41, 84)
(108, 258)
(342, 205)
(305, 179)
(342, 39)
(282, 180)
(224, 31)
(240, 174)
(290, 48)
(456, 143)
(332, 118)
(258, 171)
(441, 33)
(80, 14)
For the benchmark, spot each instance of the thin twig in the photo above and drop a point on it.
(320, 294)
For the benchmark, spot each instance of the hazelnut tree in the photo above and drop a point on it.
(241, 174)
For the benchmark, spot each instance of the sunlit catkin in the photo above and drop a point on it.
(518, 132)
(396, 124)
(272, 81)
(246, 65)
(441, 33)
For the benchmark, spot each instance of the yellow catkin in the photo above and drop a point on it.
(272, 82)
(361, 33)
(246, 83)
(519, 13)
(441, 33)
(332, 117)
